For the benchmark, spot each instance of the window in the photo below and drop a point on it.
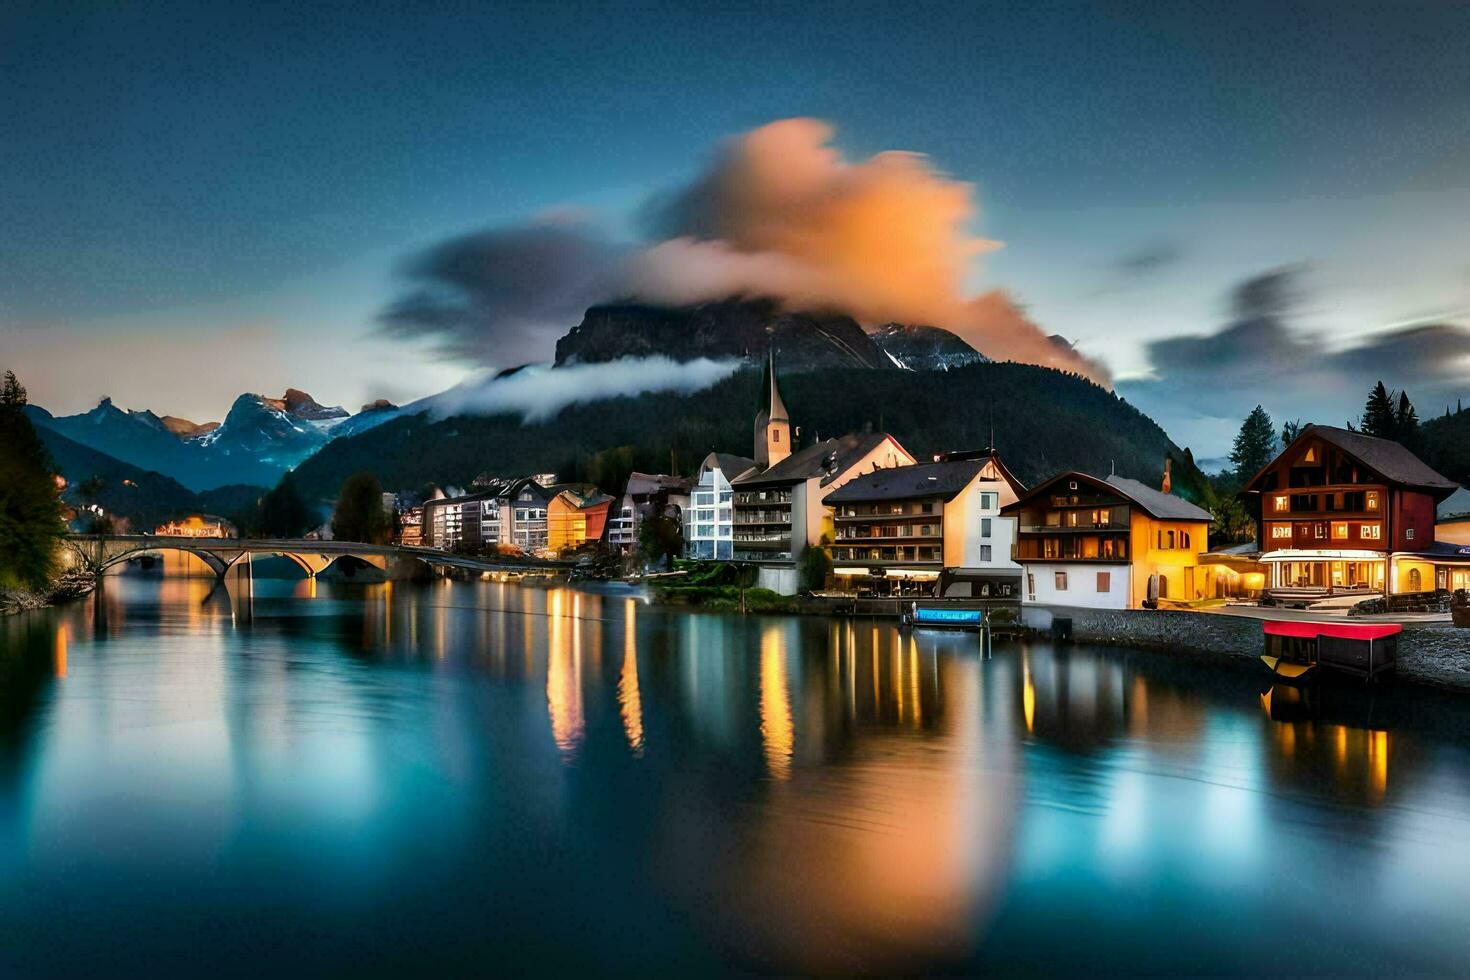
(1031, 586)
(1061, 581)
(1280, 531)
(775, 435)
(1372, 496)
(1339, 530)
(1104, 581)
(985, 527)
(1370, 532)
(989, 501)
(1408, 534)
(1282, 503)
(1320, 531)
(1171, 540)
(985, 552)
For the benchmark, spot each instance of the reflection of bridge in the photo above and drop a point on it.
(99, 552)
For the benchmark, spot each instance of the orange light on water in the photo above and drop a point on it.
(778, 735)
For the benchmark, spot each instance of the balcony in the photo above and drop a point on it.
(1077, 529)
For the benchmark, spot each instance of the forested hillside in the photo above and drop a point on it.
(1043, 420)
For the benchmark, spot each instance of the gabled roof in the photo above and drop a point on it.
(728, 463)
(828, 460)
(1385, 457)
(1455, 507)
(944, 479)
(1155, 503)
(646, 483)
(1165, 506)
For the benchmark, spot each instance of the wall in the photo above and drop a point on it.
(1436, 654)
(962, 523)
(781, 579)
(1175, 565)
(1412, 510)
(1081, 585)
(1455, 532)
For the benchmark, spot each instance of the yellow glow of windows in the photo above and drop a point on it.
(1371, 532)
(1339, 530)
(1280, 531)
(1372, 498)
(1282, 504)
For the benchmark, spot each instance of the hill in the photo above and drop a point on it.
(1044, 421)
(1446, 443)
(146, 498)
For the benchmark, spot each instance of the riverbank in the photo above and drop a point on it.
(70, 585)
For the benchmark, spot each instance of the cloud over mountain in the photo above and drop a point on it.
(778, 213)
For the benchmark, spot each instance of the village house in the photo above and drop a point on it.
(709, 530)
(930, 527)
(575, 516)
(779, 505)
(1340, 511)
(198, 526)
(1109, 543)
(646, 495)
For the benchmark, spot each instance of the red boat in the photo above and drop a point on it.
(1295, 648)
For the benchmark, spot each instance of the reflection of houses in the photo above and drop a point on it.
(646, 495)
(779, 504)
(575, 516)
(708, 524)
(912, 522)
(1109, 544)
(198, 526)
(1340, 510)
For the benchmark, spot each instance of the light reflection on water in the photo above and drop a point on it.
(395, 777)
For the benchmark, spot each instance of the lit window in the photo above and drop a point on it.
(1321, 531)
(1282, 504)
(1310, 456)
(1061, 581)
(1372, 499)
(1408, 534)
(1339, 530)
(1280, 531)
(1370, 532)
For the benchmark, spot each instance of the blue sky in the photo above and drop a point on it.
(231, 189)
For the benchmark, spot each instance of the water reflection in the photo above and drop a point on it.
(787, 794)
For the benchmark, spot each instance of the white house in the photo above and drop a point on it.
(709, 530)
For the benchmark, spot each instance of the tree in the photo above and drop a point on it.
(1406, 423)
(816, 565)
(1290, 430)
(1378, 414)
(1255, 444)
(360, 515)
(1232, 523)
(31, 526)
(660, 537)
(281, 512)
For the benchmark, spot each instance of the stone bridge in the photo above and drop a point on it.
(99, 552)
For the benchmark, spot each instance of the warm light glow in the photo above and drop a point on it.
(777, 731)
(61, 648)
(629, 700)
(1028, 695)
(563, 681)
(1377, 766)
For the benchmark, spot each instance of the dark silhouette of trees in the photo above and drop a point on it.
(360, 515)
(281, 512)
(1255, 444)
(31, 525)
(1378, 414)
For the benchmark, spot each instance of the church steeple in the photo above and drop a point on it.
(772, 423)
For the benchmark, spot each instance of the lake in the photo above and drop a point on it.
(298, 776)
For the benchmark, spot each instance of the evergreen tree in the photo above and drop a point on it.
(1406, 423)
(1290, 430)
(1378, 414)
(31, 525)
(1255, 444)
(660, 537)
(281, 512)
(360, 515)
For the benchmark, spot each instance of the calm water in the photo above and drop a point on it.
(480, 777)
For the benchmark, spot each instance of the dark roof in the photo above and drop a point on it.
(1156, 503)
(729, 464)
(640, 484)
(1454, 507)
(1384, 456)
(1445, 549)
(943, 479)
(810, 462)
(1162, 505)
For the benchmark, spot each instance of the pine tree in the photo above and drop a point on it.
(360, 515)
(1254, 445)
(1290, 430)
(1406, 423)
(1378, 414)
(31, 525)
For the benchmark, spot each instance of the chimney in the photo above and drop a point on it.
(1168, 483)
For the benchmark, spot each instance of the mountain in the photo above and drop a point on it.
(145, 498)
(257, 442)
(921, 348)
(730, 328)
(1044, 421)
(1446, 444)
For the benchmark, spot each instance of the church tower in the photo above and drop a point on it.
(772, 424)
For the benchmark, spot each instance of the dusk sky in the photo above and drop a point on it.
(198, 201)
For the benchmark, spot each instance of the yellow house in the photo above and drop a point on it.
(1109, 544)
(572, 517)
